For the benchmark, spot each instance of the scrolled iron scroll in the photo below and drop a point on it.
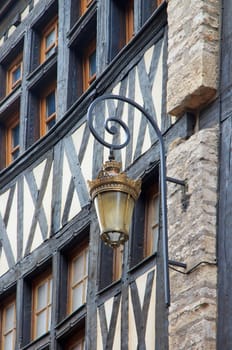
(113, 129)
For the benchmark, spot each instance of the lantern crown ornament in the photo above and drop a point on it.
(114, 195)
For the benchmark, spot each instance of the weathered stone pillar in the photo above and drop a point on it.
(193, 54)
(192, 239)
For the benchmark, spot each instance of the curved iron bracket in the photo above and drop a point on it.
(112, 129)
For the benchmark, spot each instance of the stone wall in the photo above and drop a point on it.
(192, 239)
(193, 54)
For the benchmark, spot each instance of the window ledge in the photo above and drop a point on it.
(40, 342)
(144, 264)
(70, 321)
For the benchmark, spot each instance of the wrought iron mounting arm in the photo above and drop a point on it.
(113, 130)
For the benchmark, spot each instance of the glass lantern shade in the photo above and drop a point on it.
(114, 196)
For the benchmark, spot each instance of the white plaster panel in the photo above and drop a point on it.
(117, 335)
(38, 172)
(87, 162)
(25, 13)
(4, 267)
(66, 178)
(99, 336)
(28, 213)
(157, 88)
(148, 58)
(38, 239)
(116, 89)
(12, 224)
(150, 330)
(146, 141)
(3, 202)
(75, 206)
(132, 334)
(47, 200)
(108, 310)
(77, 137)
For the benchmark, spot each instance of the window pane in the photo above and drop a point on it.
(51, 123)
(16, 75)
(41, 323)
(50, 38)
(15, 136)
(49, 318)
(50, 52)
(10, 317)
(92, 64)
(50, 104)
(50, 294)
(77, 297)
(9, 341)
(86, 262)
(78, 269)
(42, 296)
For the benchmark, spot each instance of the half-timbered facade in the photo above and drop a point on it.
(60, 286)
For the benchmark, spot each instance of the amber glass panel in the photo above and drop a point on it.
(114, 210)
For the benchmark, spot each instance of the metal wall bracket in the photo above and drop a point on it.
(177, 263)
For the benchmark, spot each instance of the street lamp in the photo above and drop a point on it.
(114, 194)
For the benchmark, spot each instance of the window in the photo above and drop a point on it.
(78, 345)
(49, 40)
(121, 25)
(8, 325)
(78, 277)
(12, 140)
(89, 65)
(41, 305)
(129, 19)
(48, 110)
(151, 224)
(85, 5)
(145, 222)
(148, 7)
(75, 340)
(14, 74)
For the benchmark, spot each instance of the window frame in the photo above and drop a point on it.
(17, 63)
(6, 304)
(43, 120)
(87, 78)
(129, 21)
(84, 5)
(39, 281)
(82, 249)
(143, 244)
(53, 25)
(151, 199)
(10, 150)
